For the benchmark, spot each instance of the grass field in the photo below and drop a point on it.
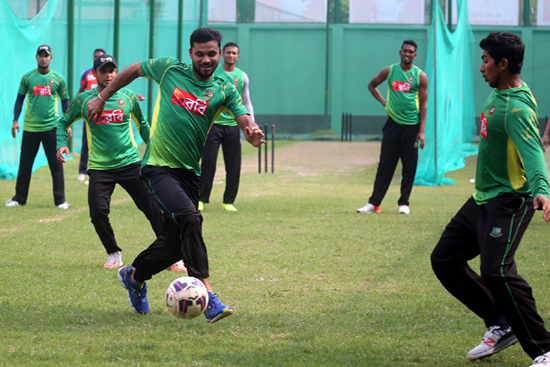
(312, 283)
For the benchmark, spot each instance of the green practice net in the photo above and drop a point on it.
(450, 123)
(26, 24)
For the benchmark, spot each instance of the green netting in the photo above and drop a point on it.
(450, 123)
(93, 28)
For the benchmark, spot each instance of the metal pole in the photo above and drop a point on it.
(151, 55)
(327, 56)
(435, 91)
(450, 15)
(272, 148)
(343, 132)
(180, 29)
(350, 124)
(526, 13)
(260, 159)
(116, 34)
(203, 13)
(70, 54)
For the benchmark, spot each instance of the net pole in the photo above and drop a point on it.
(327, 60)
(435, 92)
(180, 29)
(116, 34)
(70, 54)
(151, 56)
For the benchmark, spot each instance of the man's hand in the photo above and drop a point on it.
(95, 109)
(70, 134)
(541, 202)
(420, 140)
(60, 154)
(254, 136)
(544, 142)
(140, 97)
(14, 128)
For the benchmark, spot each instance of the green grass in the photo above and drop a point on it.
(312, 283)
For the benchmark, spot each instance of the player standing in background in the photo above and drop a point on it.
(404, 130)
(114, 158)
(511, 183)
(226, 132)
(189, 101)
(87, 82)
(42, 87)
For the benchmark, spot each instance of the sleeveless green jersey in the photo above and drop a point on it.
(510, 158)
(42, 91)
(403, 104)
(111, 142)
(185, 110)
(236, 78)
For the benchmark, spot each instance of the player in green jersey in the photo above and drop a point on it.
(511, 183)
(114, 158)
(42, 87)
(189, 101)
(403, 132)
(226, 132)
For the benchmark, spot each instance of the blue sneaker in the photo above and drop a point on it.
(137, 296)
(216, 310)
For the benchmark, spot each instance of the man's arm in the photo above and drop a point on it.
(546, 137)
(423, 99)
(125, 77)
(64, 132)
(246, 97)
(252, 131)
(16, 113)
(376, 81)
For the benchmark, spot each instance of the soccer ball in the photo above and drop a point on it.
(186, 297)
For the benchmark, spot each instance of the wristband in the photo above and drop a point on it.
(546, 136)
(102, 100)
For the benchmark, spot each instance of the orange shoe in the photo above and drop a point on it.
(178, 267)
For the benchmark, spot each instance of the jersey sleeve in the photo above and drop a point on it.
(234, 102)
(73, 113)
(83, 78)
(62, 91)
(155, 68)
(139, 119)
(23, 85)
(522, 127)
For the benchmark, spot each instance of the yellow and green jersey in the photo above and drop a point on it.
(184, 112)
(236, 78)
(403, 103)
(111, 142)
(42, 91)
(510, 158)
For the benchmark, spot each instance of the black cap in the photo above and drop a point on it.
(47, 49)
(102, 60)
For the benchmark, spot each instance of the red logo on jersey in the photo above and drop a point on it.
(401, 87)
(110, 117)
(483, 127)
(41, 90)
(190, 102)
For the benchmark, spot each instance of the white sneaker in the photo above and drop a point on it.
(404, 209)
(12, 202)
(494, 340)
(81, 177)
(64, 205)
(542, 361)
(178, 267)
(113, 261)
(369, 208)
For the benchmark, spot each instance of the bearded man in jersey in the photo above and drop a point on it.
(511, 183)
(403, 132)
(189, 101)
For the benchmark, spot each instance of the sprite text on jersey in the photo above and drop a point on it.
(190, 102)
(401, 87)
(483, 126)
(41, 90)
(111, 116)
